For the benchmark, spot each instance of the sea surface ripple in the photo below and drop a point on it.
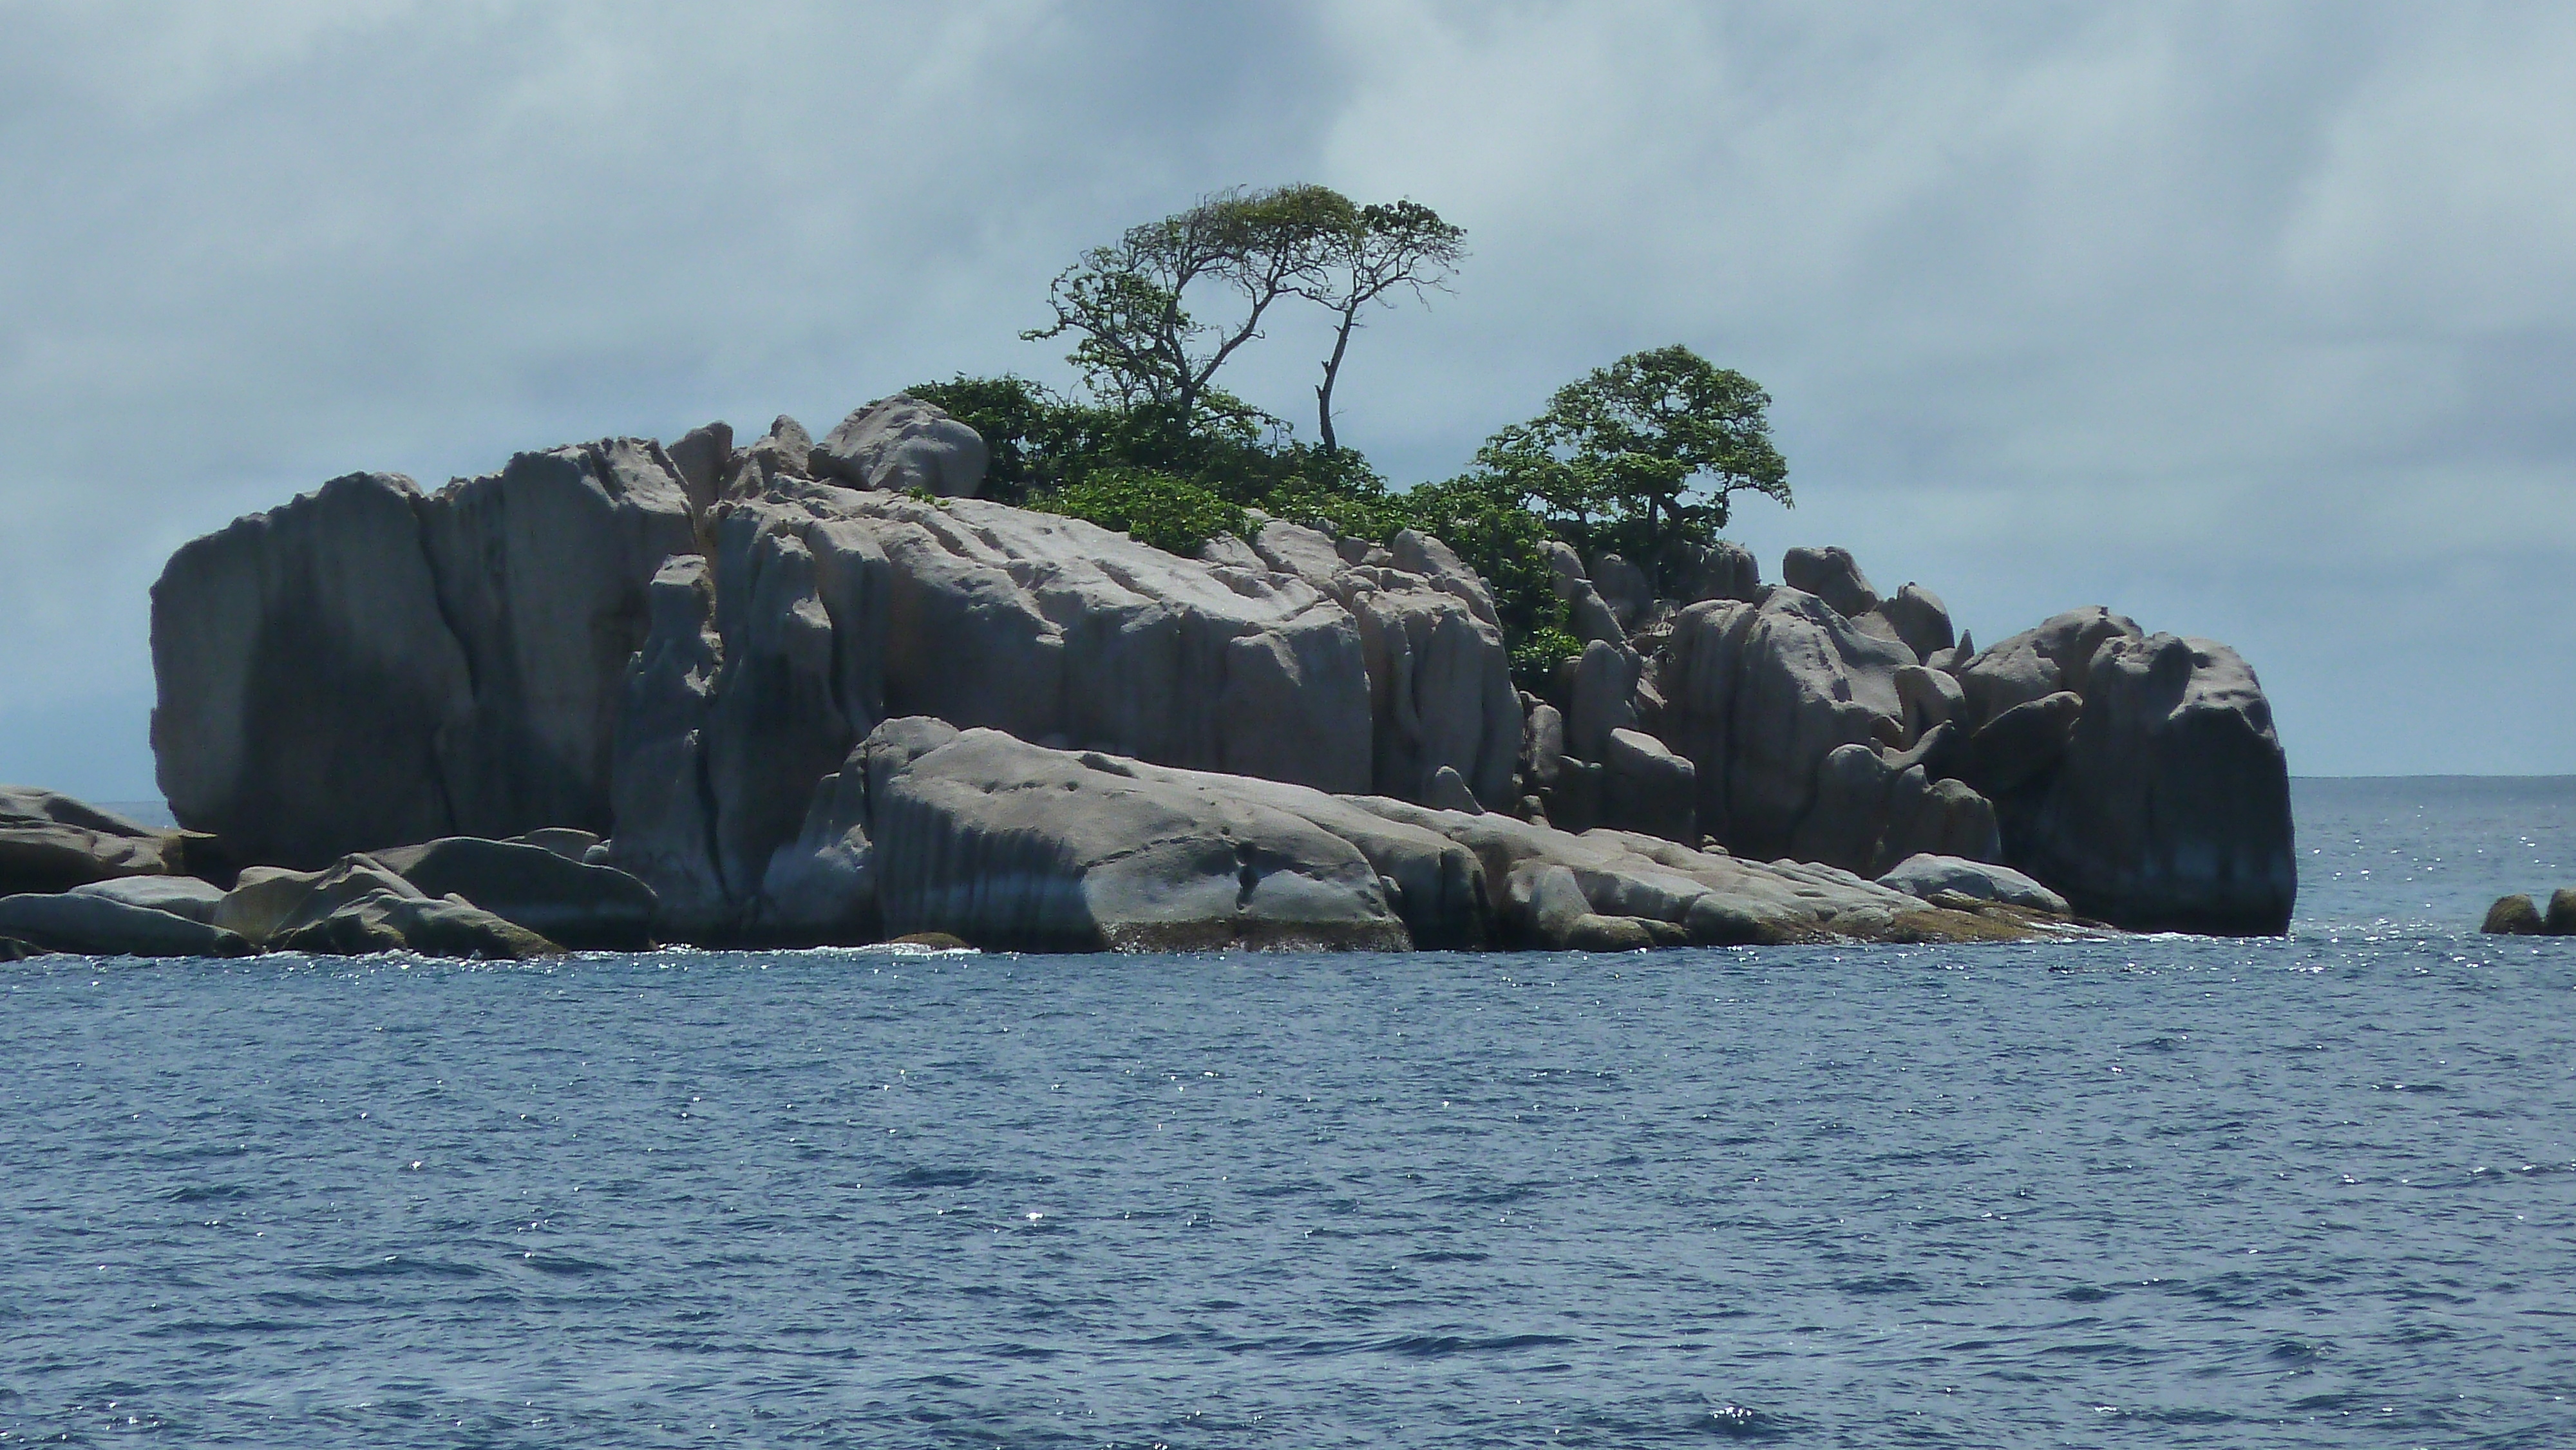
(2154, 1192)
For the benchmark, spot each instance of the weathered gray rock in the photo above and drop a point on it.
(388, 921)
(1722, 569)
(2171, 808)
(1440, 690)
(2038, 662)
(838, 608)
(703, 458)
(1832, 575)
(563, 900)
(1927, 698)
(1543, 744)
(1928, 875)
(51, 842)
(1449, 792)
(564, 841)
(309, 896)
(902, 443)
(780, 718)
(1012, 845)
(1647, 789)
(1674, 894)
(264, 898)
(1756, 698)
(1589, 615)
(87, 924)
(1554, 913)
(2022, 745)
(1917, 616)
(1624, 587)
(366, 665)
(665, 809)
(178, 895)
(820, 889)
(1935, 816)
(1047, 626)
(1603, 699)
(2513, 916)
(2561, 920)
(1425, 557)
(781, 458)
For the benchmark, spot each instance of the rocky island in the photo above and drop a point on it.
(796, 693)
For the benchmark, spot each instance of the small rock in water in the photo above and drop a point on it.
(2561, 920)
(2513, 916)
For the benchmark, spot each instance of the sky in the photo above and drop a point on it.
(2253, 322)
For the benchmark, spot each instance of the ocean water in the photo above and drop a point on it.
(2152, 1192)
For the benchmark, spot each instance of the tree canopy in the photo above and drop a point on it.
(1136, 340)
(1639, 456)
(1365, 255)
(1644, 453)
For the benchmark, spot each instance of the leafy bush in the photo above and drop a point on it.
(1172, 514)
(1536, 655)
(1640, 456)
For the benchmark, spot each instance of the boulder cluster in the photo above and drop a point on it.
(796, 693)
(2521, 916)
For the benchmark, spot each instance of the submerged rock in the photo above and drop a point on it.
(2513, 916)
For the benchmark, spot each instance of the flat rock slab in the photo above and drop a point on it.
(1005, 844)
(1928, 875)
(51, 842)
(97, 926)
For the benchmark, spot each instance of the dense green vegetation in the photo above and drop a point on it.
(1640, 457)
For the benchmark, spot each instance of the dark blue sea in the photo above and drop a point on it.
(2149, 1192)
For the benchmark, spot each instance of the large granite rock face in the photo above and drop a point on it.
(1440, 684)
(368, 665)
(51, 842)
(827, 609)
(2137, 776)
(1758, 696)
(2170, 809)
(665, 812)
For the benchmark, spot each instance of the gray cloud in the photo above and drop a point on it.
(2252, 322)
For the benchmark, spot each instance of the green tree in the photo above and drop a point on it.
(1128, 305)
(1365, 255)
(1643, 453)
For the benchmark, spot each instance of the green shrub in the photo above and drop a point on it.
(1172, 514)
(1536, 655)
